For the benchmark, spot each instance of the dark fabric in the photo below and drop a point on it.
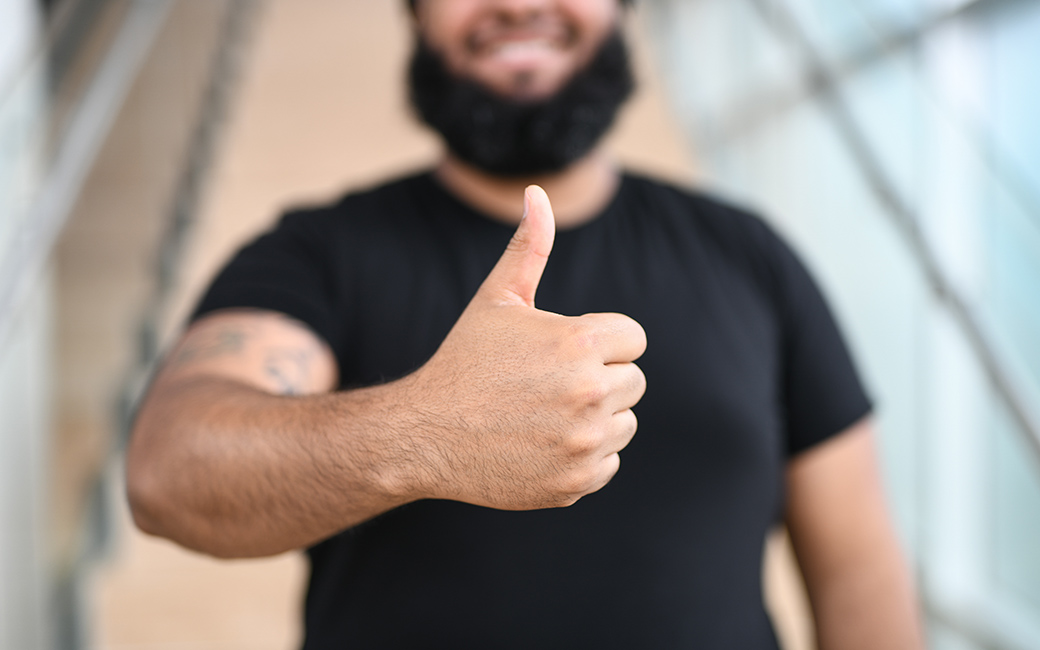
(744, 368)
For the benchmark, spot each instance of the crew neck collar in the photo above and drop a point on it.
(437, 188)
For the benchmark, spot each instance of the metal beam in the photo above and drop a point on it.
(90, 124)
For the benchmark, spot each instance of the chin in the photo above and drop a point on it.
(539, 126)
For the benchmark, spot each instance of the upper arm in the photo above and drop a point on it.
(836, 511)
(262, 349)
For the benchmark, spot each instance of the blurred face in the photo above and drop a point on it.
(519, 49)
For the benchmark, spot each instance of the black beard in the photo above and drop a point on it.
(508, 137)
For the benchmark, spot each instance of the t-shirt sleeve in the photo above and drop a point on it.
(284, 270)
(822, 391)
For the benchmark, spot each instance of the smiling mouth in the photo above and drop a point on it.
(523, 59)
(521, 53)
(516, 41)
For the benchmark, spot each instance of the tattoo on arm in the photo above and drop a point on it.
(256, 348)
(289, 368)
(226, 340)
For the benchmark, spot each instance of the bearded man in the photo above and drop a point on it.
(373, 381)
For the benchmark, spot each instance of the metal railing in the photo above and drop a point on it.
(66, 170)
(180, 217)
(57, 106)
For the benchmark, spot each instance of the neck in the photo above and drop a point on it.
(578, 193)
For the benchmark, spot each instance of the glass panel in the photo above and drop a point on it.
(723, 60)
(885, 101)
(1016, 512)
(890, 15)
(836, 29)
(23, 126)
(1014, 255)
(1014, 51)
(758, 63)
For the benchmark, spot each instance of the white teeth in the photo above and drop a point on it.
(522, 47)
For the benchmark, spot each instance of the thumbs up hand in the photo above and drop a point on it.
(524, 408)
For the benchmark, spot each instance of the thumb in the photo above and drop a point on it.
(516, 276)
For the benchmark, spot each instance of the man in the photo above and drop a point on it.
(373, 380)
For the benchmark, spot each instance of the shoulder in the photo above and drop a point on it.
(359, 207)
(696, 207)
(361, 224)
(718, 225)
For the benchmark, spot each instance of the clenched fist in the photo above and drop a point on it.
(528, 409)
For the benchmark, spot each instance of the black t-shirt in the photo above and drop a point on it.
(744, 368)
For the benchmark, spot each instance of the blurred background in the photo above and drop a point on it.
(895, 142)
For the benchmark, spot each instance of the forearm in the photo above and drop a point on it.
(868, 606)
(233, 471)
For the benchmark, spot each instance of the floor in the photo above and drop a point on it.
(319, 109)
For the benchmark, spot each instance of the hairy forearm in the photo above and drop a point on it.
(230, 470)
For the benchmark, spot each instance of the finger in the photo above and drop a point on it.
(627, 386)
(607, 470)
(616, 337)
(623, 427)
(516, 276)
